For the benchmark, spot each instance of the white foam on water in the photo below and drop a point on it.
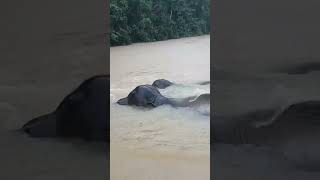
(164, 127)
(170, 139)
(185, 90)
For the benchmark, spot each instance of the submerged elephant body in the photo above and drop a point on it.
(83, 113)
(293, 128)
(161, 83)
(144, 95)
(149, 96)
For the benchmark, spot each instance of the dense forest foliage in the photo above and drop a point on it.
(154, 20)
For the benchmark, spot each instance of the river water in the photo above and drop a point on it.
(163, 143)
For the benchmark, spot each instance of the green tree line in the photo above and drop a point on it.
(154, 20)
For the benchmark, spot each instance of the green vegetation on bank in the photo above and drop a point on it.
(155, 20)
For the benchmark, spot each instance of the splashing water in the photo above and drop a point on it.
(165, 129)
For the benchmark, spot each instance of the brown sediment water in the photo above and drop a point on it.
(162, 143)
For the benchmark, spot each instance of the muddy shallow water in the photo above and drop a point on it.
(164, 142)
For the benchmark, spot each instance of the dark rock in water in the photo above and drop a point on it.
(161, 83)
(83, 113)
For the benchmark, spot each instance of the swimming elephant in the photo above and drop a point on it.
(83, 113)
(149, 96)
(161, 83)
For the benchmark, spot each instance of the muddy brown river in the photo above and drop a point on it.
(163, 143)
